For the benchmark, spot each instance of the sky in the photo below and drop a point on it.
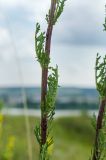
(77, 37)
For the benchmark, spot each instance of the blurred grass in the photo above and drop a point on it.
(73, 137)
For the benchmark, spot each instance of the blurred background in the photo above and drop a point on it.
(77, 38)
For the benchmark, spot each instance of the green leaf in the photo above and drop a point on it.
(42, 57)
(59, 9)
(100, 71)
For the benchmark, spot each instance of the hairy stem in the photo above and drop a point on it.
(45, 74)
(98, 127)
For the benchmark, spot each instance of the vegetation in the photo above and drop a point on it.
(49, 80)
(6, 143)
(99, 151)
(75, 130)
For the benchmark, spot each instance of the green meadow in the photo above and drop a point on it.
(73, 137)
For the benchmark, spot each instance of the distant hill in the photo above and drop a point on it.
(67, 98)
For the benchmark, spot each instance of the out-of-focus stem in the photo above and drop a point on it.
(98, 127)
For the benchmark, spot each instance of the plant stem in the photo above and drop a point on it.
(98, 127)
(45, 75)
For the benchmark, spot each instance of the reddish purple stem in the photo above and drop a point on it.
(45, 74)
(98, 127)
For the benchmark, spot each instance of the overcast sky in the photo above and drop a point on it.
(77, 38)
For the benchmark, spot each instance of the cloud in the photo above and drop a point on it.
(4, 36)
(76, 64)
(77, 24)
(30, 6)
(77, 38)
(81, 24)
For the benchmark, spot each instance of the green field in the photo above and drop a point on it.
(73, 137)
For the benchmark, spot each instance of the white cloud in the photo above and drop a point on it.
(72, 48)
(31, 5)
(76, 64)
(82, 23)
(4, 36)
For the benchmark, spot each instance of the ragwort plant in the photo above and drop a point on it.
(49, 82)
(99, 150)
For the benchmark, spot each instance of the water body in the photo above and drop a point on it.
(37, 113)
(67, 98)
